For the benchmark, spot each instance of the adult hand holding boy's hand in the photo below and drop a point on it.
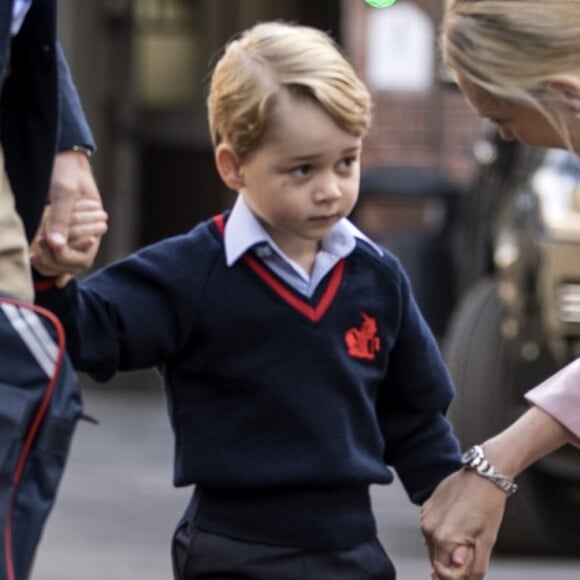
(88, 223)
(72, 179)
(460, 522)
(69, 236)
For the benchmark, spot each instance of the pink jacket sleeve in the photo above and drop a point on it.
(559, 396)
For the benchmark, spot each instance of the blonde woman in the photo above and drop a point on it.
(518, 64)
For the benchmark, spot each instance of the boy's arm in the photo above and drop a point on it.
(135, 313)
(412, 406)
(413, 402)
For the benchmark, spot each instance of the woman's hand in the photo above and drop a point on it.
(460, 522)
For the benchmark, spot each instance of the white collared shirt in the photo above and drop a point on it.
(244, 232)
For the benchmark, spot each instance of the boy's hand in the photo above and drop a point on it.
(88, 224)
(459, 567)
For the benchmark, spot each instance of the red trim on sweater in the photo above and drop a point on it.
(45, 284)
(312, 313)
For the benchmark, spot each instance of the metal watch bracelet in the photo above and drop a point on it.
(474, 458)
(82, 149)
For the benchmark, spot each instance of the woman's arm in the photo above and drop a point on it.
(559, 396)
(466, 509)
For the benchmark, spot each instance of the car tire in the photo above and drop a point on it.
(491, 379)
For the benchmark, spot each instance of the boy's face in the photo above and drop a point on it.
(303, 178)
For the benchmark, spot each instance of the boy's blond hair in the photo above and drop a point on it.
(270, 60)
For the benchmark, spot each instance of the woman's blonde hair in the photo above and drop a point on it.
(516, 50)
(273, 59)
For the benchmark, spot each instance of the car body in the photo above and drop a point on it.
(517, 322)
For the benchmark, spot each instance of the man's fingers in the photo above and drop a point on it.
(69, 259)
(85, 230)
(83, 244)
(59, 217)
(72, 181)
(42, 259)
(88, 216)
(72, 259)
(88, 204)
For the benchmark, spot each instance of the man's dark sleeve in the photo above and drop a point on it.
(73, 128)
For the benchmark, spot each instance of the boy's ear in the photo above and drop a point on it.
(229, 166)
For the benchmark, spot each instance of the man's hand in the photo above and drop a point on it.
(87, 226)
(72, 179)
(69, 236)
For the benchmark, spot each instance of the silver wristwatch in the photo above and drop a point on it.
(474, 458)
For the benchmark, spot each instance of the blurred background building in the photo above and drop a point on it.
(142, 66)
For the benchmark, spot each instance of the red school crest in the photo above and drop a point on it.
(363, 342)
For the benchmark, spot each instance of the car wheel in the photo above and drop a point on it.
(490, 379)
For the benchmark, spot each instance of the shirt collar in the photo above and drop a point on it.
(244, 231)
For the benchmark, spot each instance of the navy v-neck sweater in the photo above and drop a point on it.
(284, 409)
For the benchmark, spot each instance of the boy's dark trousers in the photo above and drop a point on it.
(200, 555)
(40, 404)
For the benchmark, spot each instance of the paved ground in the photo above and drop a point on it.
(117, 507)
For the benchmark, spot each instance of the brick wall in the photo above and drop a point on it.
(433, 129)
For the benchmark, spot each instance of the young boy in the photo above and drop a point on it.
(296, 363)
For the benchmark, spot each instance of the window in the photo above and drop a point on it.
(166, 42)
